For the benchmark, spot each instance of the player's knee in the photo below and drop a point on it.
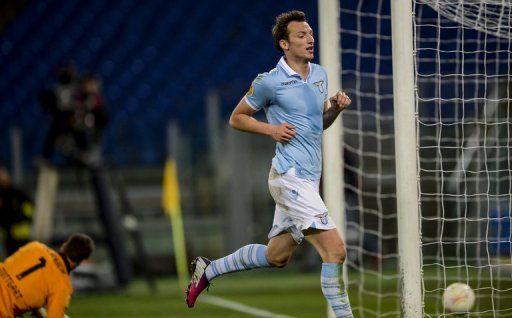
(337, 254)
(278, 261)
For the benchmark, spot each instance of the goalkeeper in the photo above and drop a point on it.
(37, 276)
(294, 97)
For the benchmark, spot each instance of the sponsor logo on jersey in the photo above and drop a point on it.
(10, 283)
(289, 83)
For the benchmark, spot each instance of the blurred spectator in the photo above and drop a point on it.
(16, 210)
(78, 112)
(59, 103)
(90, 112)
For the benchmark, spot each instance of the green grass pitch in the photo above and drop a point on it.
(288, 293)
(284, 292)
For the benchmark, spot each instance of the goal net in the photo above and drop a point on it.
(462, 57)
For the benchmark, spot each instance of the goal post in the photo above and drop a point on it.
(332, 178)
(405, 156)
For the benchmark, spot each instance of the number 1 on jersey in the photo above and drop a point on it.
(28, 271)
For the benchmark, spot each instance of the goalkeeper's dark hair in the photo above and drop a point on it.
(280, 28)
(78, 247)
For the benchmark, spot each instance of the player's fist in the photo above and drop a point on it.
(340, 101)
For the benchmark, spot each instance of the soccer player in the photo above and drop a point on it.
(36, 276)
(294, 97)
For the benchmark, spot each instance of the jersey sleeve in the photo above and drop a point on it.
(260, 93)
(57, 304)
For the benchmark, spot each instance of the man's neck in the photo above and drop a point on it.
(300, 66)
(67, 262)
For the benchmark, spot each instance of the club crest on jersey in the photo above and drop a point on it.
(320, 85)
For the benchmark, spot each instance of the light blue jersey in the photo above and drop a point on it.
(287, 98)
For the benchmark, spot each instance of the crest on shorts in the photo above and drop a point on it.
(320, 85)
(295, 194)
(323, 218)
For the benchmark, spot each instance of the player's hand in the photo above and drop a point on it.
(340, 101)
(40, 313)
(282, 133)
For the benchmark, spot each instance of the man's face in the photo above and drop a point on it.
(301, 43)
(91, 86)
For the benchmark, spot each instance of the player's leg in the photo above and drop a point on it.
(275, 254)
(280, 249)
(331, 249)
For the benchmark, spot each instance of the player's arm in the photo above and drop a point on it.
(338, 103)
(241, 119)
(57, 305)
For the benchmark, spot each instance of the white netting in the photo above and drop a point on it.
(489, 16)
(463, 94)
(369, 158)
(463, 67)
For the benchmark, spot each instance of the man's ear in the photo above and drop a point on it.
(284, 44)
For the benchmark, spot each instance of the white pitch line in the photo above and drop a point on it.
(221, 302)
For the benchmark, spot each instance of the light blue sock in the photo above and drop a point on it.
(248, 257)
(334, 290)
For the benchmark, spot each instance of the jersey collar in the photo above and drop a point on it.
(289, 71)
(65, 259)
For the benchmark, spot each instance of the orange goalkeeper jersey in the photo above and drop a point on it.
(34, 277)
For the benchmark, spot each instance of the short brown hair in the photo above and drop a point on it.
(78, 247)
(280, 28)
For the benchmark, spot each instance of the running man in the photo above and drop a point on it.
(37, 276)
(298, 109)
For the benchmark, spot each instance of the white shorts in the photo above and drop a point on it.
(298, 205)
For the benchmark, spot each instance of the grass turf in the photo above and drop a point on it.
(287, 293)
(284, 292)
